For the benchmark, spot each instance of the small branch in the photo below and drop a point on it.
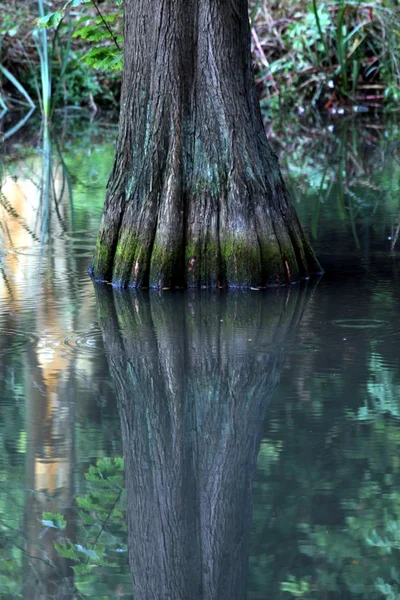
(32, 556)
(106, 25)
(104, 523)
(264, 59)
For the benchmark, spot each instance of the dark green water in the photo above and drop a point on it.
(260, 430)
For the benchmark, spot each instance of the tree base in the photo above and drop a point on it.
(196, 197)
(270, 249)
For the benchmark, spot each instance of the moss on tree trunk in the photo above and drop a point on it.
(196, 196)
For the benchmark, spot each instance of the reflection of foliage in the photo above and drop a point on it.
(338, 530)
(326, 521)
(359, 182)
(384, 392)
(363, 553)
(298, 589)
(10, 549)
(83, 164)
(102, 513)
(101, 536)
(12, 448)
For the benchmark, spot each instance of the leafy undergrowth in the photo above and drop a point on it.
(78, 36)
(336, 56)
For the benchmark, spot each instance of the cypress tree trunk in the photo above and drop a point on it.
(196, 196)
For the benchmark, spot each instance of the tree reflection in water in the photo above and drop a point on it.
(194, 373)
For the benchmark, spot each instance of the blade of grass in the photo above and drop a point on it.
(18, 125)
(341, 46)
(318, 22)
(3, 105)
(40, 36)
(63, 55)
(17, 85)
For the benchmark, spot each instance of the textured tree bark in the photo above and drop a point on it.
(196, 196)
(193, 377)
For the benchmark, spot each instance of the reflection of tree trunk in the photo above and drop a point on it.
(193, 376)
(49, 483)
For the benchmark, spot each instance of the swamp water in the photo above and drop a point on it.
(260, 430)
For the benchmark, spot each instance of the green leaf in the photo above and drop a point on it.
(67, 550)
(50, 20)
(54, 520)
(90, 553)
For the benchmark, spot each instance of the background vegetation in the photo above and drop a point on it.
(337, 56)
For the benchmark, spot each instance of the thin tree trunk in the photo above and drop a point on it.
(193, 378)
(196, 196)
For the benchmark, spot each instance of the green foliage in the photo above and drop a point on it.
(54, 19)
(305, 38)
(83, 83)
(96, 29)
(53, 520)
(297, 589)
(328, 53)
(104, 58)
(74, 36)
(316, 53)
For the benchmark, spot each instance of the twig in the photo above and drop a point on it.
(106, 25)
(264, 59)
(106, 521)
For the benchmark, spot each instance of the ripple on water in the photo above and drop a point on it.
(361, 323)
(33, 250)
(379, 330)
(82, 244)
(14, 339)
(79, 248)
(90, 341)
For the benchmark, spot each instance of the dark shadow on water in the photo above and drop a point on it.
(193, 387)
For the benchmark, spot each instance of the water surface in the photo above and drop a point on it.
(260, 430)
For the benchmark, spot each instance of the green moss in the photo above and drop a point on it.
(242, 262)
(140, 268)
(239, 263)
(273, 269)
(124, 257)
(165, 267)
(203, 264)
(102, 260)
(210, 267)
